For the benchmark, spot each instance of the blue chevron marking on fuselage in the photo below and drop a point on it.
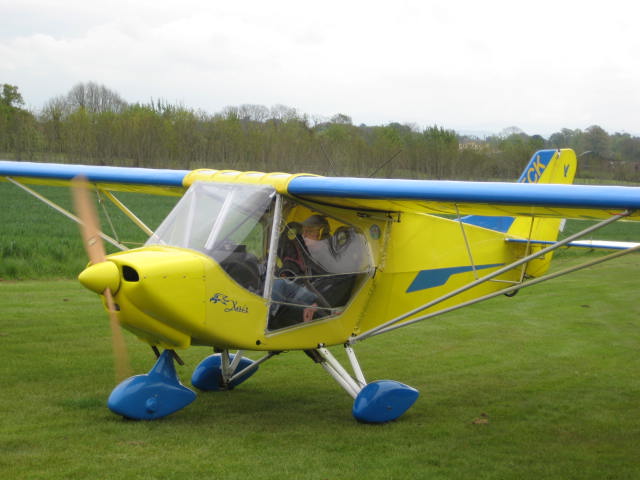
(437, 277)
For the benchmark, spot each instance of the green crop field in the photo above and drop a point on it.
(544, 385)
(38, 242)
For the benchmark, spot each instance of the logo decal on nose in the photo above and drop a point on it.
(230, 304)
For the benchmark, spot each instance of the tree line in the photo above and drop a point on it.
(93, 124)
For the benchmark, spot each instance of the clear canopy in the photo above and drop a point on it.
(228, 222)
(318, 262)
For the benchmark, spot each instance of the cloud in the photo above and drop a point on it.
(455, 63)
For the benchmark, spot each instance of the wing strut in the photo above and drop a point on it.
(64, 212)
(123, 208)
(466, 244)
(391, 324)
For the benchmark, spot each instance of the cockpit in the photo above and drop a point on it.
(306, 263)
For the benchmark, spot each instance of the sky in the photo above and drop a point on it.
(472, 66)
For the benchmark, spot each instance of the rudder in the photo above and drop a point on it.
(550, 166)
(545, 166)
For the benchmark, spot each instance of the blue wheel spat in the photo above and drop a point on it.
(383, 401)
(153, 395)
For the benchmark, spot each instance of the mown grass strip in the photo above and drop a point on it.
(543, 385)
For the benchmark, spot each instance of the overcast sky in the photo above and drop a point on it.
(467, 65)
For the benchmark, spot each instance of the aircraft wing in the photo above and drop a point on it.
(143, 180)
(470, 198)
(386, 195)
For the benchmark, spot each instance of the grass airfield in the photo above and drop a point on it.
(542, 385)
(545, 385)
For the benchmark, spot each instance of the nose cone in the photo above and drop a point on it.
(100, 276)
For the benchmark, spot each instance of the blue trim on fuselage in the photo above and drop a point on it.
(94, 173)
(437, 277)
(498, 224)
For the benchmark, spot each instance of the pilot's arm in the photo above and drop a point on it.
(288, 291)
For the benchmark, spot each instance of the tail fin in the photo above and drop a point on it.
(546, 166)
(550, 166)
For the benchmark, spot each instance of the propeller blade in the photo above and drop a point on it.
(120, 353)
(90, 230)
(90, 227)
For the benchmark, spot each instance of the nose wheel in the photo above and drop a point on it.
(153, 395)
(218, 371)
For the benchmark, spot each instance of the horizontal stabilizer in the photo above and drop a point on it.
(593, 244)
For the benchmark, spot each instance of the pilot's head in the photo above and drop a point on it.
(316, 227)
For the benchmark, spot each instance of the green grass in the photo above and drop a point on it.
(555, 371)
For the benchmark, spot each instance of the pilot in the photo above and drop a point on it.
(288, 292)
(315, 228)
(323, 281)
(339, 253)
(315, 233)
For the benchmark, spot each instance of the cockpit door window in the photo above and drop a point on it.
(321, 263)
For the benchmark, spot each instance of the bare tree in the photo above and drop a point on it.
(256, 113)
(95, 98)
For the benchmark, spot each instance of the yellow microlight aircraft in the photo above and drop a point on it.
(250, 261)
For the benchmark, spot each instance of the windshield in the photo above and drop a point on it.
(228, 222)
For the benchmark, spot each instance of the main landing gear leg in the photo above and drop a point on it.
(224, 370)
(376, 402)
(153, 395)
